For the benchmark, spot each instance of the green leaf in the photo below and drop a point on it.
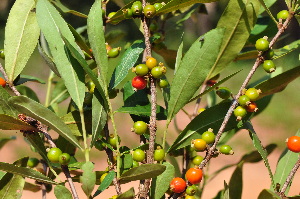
(31, 187)
(105, 183)
(254, 156)
(28, 92)
(97, 40)
(238, 19)
(268, 194)
(64, 9)
(260, 148)
(236, 182)
(79, 41)
(59, 93)
(88, 178)
(210, 118)
(285, 164)
(278, 83)
(168, 54)
(99, 117)
(54, 27)
(27, 78)
(263, 27)
(128, 60)
(21, 37)
(11, 186)
(247, 55)
(286, 49)
(161, 183)
(9, 123)
(268, 11)
(193, 70)
(127, 194)
(61, 192)
(3, 141)
(25, 172)
(44, 115)
(178, 57)
(37, 142)
(145, 171)
(4, 106)
(144, 111)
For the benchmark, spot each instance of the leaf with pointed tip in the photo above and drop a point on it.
(128, 60)
(44, 115)
(54, 27)
(28, 92)
(254, 156)
(236, 182)
(21, 37)
(145, 171)
(25, 172)
(238, 19)
(268, 194)
(105, 183)
(27, 78)
(61, 192)
(193, 70)
(9, 123)
(64, 9)
(88, 178)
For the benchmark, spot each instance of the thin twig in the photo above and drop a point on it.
(66, 171)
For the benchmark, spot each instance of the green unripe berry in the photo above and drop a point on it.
(158, 6)
(262, 44)
(64, 158)
(226, 149)
(32, 162)
(157, 72)
(252, 93)
(223, 92)
(208, 137)
(197, 160)
(244, 100)
(269, 54)
(113, 140)
(240, 112)
(53, 154)
(149, 11)
(163, 83)
(191, 190)
(114, 52)
(283, 14)
(138, 155)
(153, 27)
(159, 155)
(140, 127)
(141, 70)
(2, 55)
(91, 86)
(269, 66)
(137, 8)
(127, 13)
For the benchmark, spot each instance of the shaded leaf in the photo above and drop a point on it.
(286, 49)
(24, 90)
(9, 123)
(21, 37)
(59, 93)
(11, 186)
(236, 182)
(142, 172)
(263, 27)
(254, 156)
(129, 194)
(80, 42)
(144, 111)
(64, 9)
(61, 192)
(193, 70)
(88, 178)
(105, 183)
(32, 187)
(44, 115)
(268, 194)
(27, 78)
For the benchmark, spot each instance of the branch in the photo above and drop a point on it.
(66, 171)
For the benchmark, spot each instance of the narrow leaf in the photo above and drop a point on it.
(105, 183)
(178, 57)
(44, 115)
(21, 37)
(11, 186)
(286, 49)
(27, 78)
(25, 172)
(128, 60)
(64, 9)
(236, 182)
(4, 106)
(37, 142)
(254, 156)
(28, 92)
(193, 70)
(61, 192)
(88, 178)
(238, 19)
(9, 123)
(268, 194)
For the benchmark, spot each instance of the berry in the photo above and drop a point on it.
(110, 15)
(283, 14)
(2, 82)
(151, 62)
(253, 93)
(262, 44)
(252, 107)
(158, 6)
(141, 70)
(191, 190)
(88, 99)
(140, 127)
(239, 112)
(226, 149)
(113, 140)
(114, 52)
(163, 83)
(157, 72)
(194, 175)
(269, 66)
(269, 54)
(53, 154)
(293, 144)
(244, 100)
(189, 197)
(135, 164)
(127, 13)
(200, 110)
(139, 83)
(208, 137)
(137, 8)
(177, 185)
(2, 55)
(211, 82)
(199, 144)
(223, 92)
(159, 155)
(197, 160)
(138, 155)
(149, 11)
(64, 159)
(91, 86)
(32, 162)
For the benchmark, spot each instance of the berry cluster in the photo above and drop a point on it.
(150, 68)
(263, 45)
(55, 155)
(247, 103)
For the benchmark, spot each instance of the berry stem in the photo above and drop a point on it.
(66, 171)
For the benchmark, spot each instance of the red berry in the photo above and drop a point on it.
(139, 83)
(293, 144)
(2, 82)
(194, 175)
(177, 185)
